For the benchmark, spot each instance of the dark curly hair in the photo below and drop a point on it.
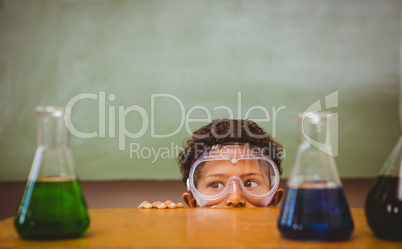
(222, 131)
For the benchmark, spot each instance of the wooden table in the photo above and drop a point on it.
(191, 228)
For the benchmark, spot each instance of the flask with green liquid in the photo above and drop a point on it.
(53, 205)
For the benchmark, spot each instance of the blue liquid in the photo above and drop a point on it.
(384, 209)
(315, 214)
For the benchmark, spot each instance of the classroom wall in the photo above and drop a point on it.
(159, 65)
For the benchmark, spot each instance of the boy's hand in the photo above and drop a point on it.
(160, 205)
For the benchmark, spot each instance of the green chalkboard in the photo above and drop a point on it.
(138, 75)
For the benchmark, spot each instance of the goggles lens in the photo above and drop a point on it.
(223, 170)
(211, 178)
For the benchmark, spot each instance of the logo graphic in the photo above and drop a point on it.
(330, 146)
(112, 122)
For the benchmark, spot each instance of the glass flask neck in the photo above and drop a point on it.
(393, 163)
(52, 130)
(314, 165)
(314, 132)
(53, 159)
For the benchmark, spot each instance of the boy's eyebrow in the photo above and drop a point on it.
(251, 174)
(216, 175)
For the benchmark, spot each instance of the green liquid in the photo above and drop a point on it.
(52, 210)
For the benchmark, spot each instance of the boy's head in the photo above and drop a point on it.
(242, 135)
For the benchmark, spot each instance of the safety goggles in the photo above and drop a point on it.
(233, 168)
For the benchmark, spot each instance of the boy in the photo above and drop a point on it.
(229, 163)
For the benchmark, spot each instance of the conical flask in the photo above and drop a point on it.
(315, 207)
(384, 200)
(53, 205)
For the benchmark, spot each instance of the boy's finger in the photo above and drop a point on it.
(161, 205)
(156, 203)
(142, 205)
(145, 205)
(168, 202)
(179, 205)
(172, 205)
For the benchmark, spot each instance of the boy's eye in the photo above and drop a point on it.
(216, 185)
(250, 184)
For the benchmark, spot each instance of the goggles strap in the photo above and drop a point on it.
(188, 184)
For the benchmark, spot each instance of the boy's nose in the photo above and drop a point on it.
(235, 200)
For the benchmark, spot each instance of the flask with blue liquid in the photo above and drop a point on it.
(315, 206)
(384, 201)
